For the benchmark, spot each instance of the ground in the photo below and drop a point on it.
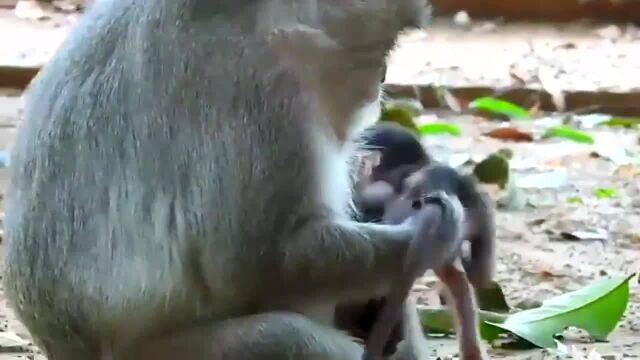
(533, 262)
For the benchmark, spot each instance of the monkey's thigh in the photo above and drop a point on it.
(268, 336)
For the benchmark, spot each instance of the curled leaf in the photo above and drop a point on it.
(493, 170)
(570, 133)
(499, 106)
(434, 128)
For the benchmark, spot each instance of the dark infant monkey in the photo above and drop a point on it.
(394, 180)
(177, 192)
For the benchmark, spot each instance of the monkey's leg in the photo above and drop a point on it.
(461, 299)
(414, 345)
(481, 265)
(267, 336)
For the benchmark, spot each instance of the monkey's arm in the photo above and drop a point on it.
(437, 242)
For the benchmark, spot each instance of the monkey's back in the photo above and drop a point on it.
(136, 162)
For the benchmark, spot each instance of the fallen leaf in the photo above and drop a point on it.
(438, 320)
(494, 169)
(569, 133)
(436, 128)
(598, 235)
(626, 122)
(604, 193)
(499, 106)
(575, 200)
(596, 308)
(509, 133)
(402, 112)
(491, 298)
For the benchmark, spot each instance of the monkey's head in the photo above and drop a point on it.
(341, 57)
(400, 153)
(371, 26)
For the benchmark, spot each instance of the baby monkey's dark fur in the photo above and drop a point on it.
(407, 169)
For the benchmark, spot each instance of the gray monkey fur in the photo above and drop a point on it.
(170, 196)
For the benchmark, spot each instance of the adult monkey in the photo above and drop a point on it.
(177, 193)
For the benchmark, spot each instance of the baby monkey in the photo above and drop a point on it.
(403, 172)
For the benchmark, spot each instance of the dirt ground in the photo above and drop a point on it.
(533, 264)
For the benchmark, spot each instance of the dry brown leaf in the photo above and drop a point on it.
(509, 133)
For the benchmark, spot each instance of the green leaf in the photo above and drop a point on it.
(569, 133)
(605, 193)
(493, 170)
(492, 298)
(440, 321)
(434, 128)
(499, 106)
(596, 308)
(621, 121)
(575, 200)
(400, 115)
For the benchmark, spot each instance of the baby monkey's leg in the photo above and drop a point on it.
(462, 302)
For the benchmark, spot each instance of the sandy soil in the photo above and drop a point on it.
(532, 263)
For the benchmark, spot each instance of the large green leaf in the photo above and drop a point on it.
(596, 308)
(439, 321)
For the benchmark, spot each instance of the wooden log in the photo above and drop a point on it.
(17, 77)
(543, 10)
(605, 102)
